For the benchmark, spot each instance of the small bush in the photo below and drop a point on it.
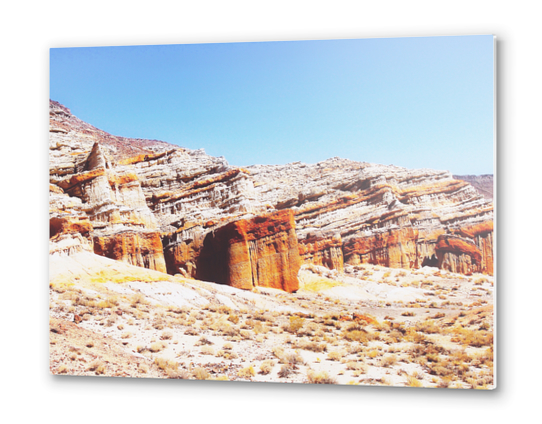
(203, 341)
(388, 361)
(335, 355)
(266, 366)
(97, 366)
(246, 373)
(207, 350)
(166, 335)
(157, 347)
(312, 346)
(201, 373)
(278, 352)
(234, 318)
(355, 366)
(296, 323)
(165, 364)
(286, 371)
(321, 377)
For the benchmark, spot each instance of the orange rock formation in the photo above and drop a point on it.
(248, 253)
(136, 248)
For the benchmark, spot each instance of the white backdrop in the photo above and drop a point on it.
(29, 30)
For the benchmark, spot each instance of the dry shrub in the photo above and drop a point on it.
(259, 328)
(355, 336)
(201, 373)
(191, 331)
(157, 347)
(321, 377)
(234, 318)
(166, 335)
(137, 299)
(247, 372)
(356, 366)
(295, 324)
(428, 327)
(293, 359)
(111, 320)
(286, 371)
(278, 352)
(97, 366)
(223, 309)
(312, 346)
(373, 354)
(335, 355)
(267, 366)
(165, 364)
(246, 334)
(178, 373)
(388, 361)
(203, 341)
(207, 350)
(231, 355)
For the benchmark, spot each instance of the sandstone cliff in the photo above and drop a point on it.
(162, 207)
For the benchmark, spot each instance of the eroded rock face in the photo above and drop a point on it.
(138, 248)
(257, 252)
(178, 210)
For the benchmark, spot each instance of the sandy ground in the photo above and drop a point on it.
(370, 325)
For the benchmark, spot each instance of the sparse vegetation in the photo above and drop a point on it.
(345, 340)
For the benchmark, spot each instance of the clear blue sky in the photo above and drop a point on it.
(415, 102)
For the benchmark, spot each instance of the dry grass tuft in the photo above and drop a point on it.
(321, 377)
(201, 373)
(267, 366)
(246, 373)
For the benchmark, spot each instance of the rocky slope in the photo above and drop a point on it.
(482, 183)
(181, 211)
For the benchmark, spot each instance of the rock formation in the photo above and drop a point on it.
(159, 206)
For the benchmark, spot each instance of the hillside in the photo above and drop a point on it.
(482, 183)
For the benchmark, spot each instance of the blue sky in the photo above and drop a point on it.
(422, 102)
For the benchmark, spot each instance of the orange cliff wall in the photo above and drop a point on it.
(393, 248)
(261, 251)
(459, 255)
(409, 248)
(482, 234)
(323, 251)
(142, 249)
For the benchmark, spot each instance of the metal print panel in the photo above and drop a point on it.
(315, 212)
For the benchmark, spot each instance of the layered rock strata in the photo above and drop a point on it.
(178, 210)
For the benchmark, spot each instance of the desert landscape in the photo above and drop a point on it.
(166, 262)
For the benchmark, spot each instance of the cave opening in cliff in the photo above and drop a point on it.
(430, 261)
